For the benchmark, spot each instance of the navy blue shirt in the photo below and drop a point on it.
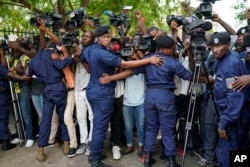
(100, 61)
(229, 102)
(48, 71)
(164, 75)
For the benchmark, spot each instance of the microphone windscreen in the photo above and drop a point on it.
(207, 26)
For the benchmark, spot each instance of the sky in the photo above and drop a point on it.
(224, 8)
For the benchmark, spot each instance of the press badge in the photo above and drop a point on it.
(229, 82)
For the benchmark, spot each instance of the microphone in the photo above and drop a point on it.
(207, 25)
(116, 47)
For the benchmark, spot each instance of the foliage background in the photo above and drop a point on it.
(15, 14)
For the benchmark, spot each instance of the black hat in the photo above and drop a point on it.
(102, 30)
(116, 39)
(152, 29)
(219, 38)
(241, 30)
(164, 42)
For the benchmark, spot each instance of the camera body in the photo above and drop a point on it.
(198, 41)
(69, 38)
(119, 20)
(146, 44)
(180, 20)
(77, 17)
(205, 9)
(127, 50)
(50, 19)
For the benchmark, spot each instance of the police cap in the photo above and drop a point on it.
(219, 38)
(164, 42)
(152, 29)
(241, 30)
(102, 30)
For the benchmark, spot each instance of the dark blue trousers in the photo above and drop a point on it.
(5, 102)
(225, 146)
(102, 104)
(160, 113)
(53, 98)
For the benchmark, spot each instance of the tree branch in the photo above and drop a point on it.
(70, 5)
(84, 3)
(25, 4)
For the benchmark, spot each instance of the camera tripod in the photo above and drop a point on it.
(192, 101)
(17, 110)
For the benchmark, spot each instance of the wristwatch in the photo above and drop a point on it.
(73, 56)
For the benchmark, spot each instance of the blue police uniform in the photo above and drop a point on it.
(100, 97)
(5, 103)
(49, 72)
(232, 106)
(159, 104)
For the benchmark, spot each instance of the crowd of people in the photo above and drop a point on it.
(81, 90)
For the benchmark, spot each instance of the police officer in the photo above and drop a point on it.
(159, 112)
(232, 105)
(101, 97)
(49, 72)
(5, 101)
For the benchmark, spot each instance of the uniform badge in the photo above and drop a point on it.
(216, 40)
(229, 82)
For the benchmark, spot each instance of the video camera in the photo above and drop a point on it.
(68, 39)
(145, 43)
(53, 20)
(205, 9)
(77, 18)
(50, 19)
(119, 20)
(180, 20)
(198, 41)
